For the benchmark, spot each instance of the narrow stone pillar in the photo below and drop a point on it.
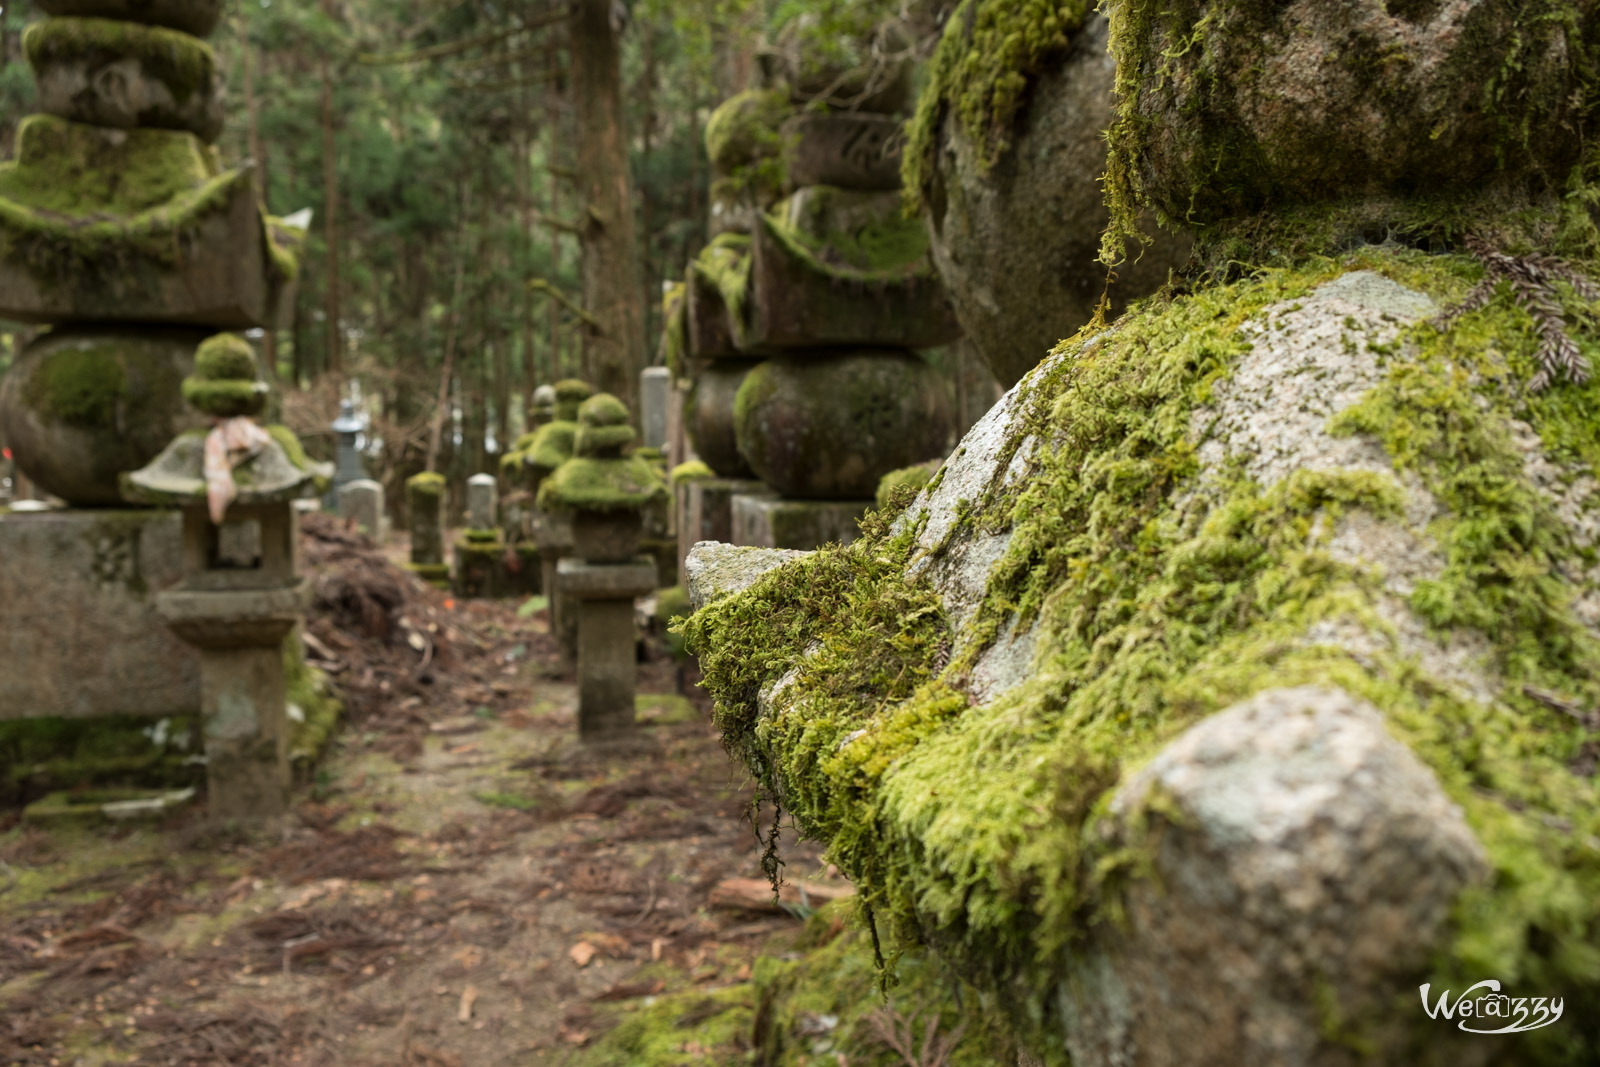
(362, 500)
(655, 396)
(601, 596)
(425, 500)
(481, 499)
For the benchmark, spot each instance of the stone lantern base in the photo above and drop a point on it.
(765, 521)
(601, 595)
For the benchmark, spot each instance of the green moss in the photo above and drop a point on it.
(295, 452)
(834, 976)
(832, 227)
(1497, 167)
(183, 63)
(570, 394)
(692, 471)
(78, 204)
(80, 385)
(744, 128)
(625, 483)
(1157, 599)
(883, 252)
(44, 754)
(897, 488)
(225, 399)
(553, 444)
(284, 245)
(433, 573)
(429, 484)
(309, 690)
(980, 75)
(724, 264)
(675, 330)
(601, 441)
(678, 1030)
(225, 356)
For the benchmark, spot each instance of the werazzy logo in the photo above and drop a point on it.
(1485, 1005)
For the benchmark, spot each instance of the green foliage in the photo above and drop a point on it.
(979, 830)
(980, 75)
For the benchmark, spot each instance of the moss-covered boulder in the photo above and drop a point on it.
(828, 425)
(1368, 117)
(1232, 681)
(197, 17)
(708, 416)
(106, 72)
(899, 485)
(106, 225)
(1004, 162)
(82, 405)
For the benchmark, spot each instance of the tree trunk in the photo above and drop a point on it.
(552, 124)
(258, 155)
(612, 290)
(330, 225)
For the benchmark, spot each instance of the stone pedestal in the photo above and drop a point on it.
(708, 511)
(79, 633)
(767, 521)
(480, 569)
(602, 596)
(655, 397)
(552, 534)
(362, 500)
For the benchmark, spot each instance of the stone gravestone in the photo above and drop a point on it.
(425, 501)
(362, 500)
(655, 392)
(481, 495)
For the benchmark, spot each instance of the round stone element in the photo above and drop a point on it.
(197, 17)
(1234, 106)
(829, 426)
(708, 416)
(1017, 240)
(125, 75)
(82, 405)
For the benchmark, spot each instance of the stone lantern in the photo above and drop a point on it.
(552, 446)
(604, 493)
(241, 592)
(347, 429)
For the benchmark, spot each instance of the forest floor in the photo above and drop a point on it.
(458, 884)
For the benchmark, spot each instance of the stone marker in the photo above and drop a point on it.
(362, 500)
(767, 521)
(606, 494)
(241, 593)
(425, 501)
(655, 393)
(481, 493)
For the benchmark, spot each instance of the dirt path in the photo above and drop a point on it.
(458, 885)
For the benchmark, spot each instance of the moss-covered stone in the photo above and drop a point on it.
(224, 400)
(692, 471)
(184, 63)
(708, 416)
(197, 17)
(225, 356)
(1417, 120)
(830, 425)
(1155, 584)
(717, 297)
(675, 330)
(622, 483)
(553, 445)
(856, 230)
(82, 405)
(429, 484)
(569, 394)
(744, 129)
(980, 75)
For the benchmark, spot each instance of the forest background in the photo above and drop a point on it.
(443, 148)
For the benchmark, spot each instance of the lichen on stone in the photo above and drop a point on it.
(692, 471)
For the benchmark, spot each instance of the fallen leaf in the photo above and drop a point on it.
(468, 995)
(656, 945)
(574, 1037)
(581, 954)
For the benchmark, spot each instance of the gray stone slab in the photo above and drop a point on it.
(716, 570)
(582, 580)
(80, 635)
(765, 521)
(655, 394)
(481, 502)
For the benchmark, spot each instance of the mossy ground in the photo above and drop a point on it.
(976, 829)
